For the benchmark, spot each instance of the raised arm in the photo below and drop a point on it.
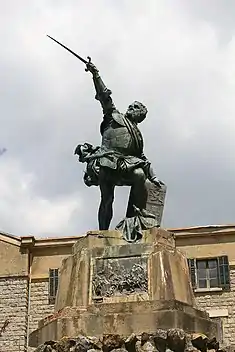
(103, 94)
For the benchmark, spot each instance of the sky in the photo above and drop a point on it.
(175, 56)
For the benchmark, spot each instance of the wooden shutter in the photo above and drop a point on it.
(53, 284)
(223, 272)
(192, 271)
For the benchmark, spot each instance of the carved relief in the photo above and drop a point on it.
(122, 276)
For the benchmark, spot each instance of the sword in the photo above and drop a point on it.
(72, 52)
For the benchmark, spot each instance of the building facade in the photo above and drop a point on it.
(29, 274)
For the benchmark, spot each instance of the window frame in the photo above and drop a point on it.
(207, 270)
(223, 272)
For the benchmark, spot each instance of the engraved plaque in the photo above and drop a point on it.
(156, 200)
(119, 276)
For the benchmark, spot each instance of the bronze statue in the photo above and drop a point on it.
(119, 160)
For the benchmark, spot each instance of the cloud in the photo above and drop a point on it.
(175, 56)
(24, 212)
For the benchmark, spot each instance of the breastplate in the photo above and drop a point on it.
(116, 137)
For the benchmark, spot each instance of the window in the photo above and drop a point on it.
(209, 273)
(53, 284)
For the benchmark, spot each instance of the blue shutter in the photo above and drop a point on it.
(192, 271)
(223, 272)
(53, 284)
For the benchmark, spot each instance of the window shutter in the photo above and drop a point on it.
(53, 284)
(224, 277)
(192, 271)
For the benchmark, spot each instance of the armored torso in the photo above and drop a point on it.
(121, 135)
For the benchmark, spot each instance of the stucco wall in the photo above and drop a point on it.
(13, 261)
(46, 258)
(207, 250)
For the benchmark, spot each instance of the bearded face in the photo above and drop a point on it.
(136, 112)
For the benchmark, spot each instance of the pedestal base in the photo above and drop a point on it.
(123, 319)
(110, 287)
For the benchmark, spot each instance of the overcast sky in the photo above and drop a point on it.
(176, 56)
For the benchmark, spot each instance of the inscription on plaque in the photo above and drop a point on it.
(155, 200)
(119, 276)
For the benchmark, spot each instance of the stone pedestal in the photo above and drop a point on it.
(108, 286)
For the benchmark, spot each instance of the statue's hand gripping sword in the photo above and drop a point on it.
(86, 62)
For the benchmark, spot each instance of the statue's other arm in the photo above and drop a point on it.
(150, 172)
(103, 94)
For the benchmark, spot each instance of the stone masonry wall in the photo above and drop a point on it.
(221, 300)
(13, 306)
(39, 304)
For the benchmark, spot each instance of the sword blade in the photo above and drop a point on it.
(72, 52)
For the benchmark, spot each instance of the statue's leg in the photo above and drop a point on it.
(105, 213)
(138, 193)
